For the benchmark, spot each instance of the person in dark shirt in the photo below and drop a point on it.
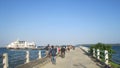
(62, 52)
(52, 53)
(47, 48)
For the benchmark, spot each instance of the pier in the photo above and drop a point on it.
(77, 58)
(73, 59)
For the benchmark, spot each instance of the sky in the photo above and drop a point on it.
(60, 22)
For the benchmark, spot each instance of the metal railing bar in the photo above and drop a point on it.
(1, 64)
(14, 58)
(18, 60)
(1, 56)
(102, 51)
(16, 55)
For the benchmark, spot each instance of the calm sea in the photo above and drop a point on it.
(116, 56)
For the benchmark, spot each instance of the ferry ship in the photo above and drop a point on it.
(21, 45)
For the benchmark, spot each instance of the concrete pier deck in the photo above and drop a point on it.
(74, 59)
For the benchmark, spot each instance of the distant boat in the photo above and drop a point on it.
(21, 45)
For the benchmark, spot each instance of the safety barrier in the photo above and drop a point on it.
(11, 61)
(101, 54)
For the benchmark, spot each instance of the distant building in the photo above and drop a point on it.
(21, 44)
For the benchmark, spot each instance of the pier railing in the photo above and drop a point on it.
(101, 55)
(11, 61)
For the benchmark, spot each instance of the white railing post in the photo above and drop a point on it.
(93, 52)
(98, 54)
(5, 60)
(27, 57)
(106, 57)
(39, 54)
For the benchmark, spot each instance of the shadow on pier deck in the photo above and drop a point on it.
(33, 64)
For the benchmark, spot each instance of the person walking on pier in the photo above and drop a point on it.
(47, 48)
(63, 52)
(52, 53)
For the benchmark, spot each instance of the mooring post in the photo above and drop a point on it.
(27, 57)
(106, 57)
(5, 60)
(39, 54)
(98, 54)
(93, 52)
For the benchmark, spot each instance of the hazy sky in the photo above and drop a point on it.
(60, 21)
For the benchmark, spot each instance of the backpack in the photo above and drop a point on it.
(53, 52)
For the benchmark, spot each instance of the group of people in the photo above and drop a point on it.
(53, 51)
